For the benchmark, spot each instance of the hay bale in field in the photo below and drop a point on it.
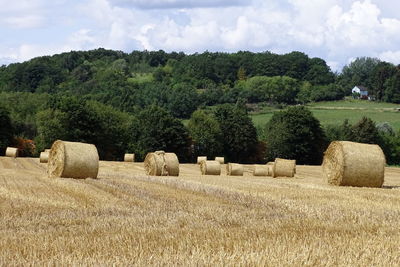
(354, 164)
(283, 167)
(44, 157)
(220, 159)
(210, 167)
(73, 160)
(160, 163)
(234, 169)
(129, 157)
(261, 170)
(12, 152)
(270, 169)
(200, 159)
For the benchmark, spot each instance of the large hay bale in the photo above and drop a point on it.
(220, 159)
(210, 167)
(12, 152)
(73, 160)
(261, 170)
(44, 157)
(160, 163)
(234, 169)
(129, 157)
(354, 164)
(284, 167)
(200, 159)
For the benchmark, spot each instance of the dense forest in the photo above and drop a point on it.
(136, 102)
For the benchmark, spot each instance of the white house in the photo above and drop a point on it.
(361, 90)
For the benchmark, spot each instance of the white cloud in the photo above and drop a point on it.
(28, 21)
(168, 4)
(391, 56)
(335, 30)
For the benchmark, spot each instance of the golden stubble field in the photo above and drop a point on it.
(128, 218)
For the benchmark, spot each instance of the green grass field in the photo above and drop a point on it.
(335, 112)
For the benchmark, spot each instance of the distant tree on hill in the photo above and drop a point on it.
(358, 72)
(392, 88)
(182, 100)
(295, 134)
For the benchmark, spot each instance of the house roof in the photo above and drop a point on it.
(362, 88)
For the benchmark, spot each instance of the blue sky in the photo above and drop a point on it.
(335, 30)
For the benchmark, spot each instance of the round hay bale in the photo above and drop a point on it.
(129, 157)
(200, 159)
(354, 164)
(234, 169)
(12, 152)
(261, 170)
(220, 159)
(44, 157)
(160, 163)
(210, 167)
(270, 169)
(284, 167)
(73, 160)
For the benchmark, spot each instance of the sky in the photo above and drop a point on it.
(337, 31)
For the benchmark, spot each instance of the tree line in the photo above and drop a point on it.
(226, 130)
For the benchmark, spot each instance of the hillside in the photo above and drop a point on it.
(335, 112)
(125, 217)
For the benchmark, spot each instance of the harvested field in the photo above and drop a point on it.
(125, 217)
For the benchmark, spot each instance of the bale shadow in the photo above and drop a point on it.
(390, 186)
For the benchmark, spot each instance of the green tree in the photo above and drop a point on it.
(295, 134)
(392, 88)
(156, 129)
(319, 72)
(381, 73)
(206, 134)
(390, 144)
(241, 74)
(272, 89)
(358, 72)
(182, 100)
(72, 119)
(365, 131)
(6, 130)
(240, 135)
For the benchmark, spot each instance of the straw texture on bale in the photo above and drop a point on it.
(44, 157)
(129, 157)
(200, 159)
(47, 150)
(354, 164)
(234, 169)
(220, 159)
(160, 163)
(12, 152)
(73, 160)
(284, 167)
(271, 163)
(261, 170)
(210, 167)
